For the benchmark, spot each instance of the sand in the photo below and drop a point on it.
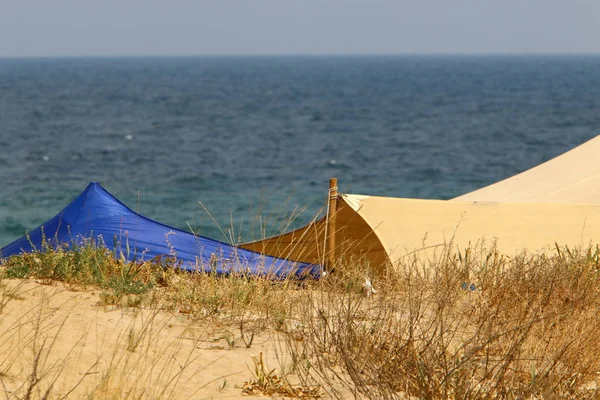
(83, 348)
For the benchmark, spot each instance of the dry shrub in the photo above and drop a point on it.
(266, 382)
(251, 304)
(472, 326)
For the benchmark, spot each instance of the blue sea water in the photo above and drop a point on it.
(163, 134)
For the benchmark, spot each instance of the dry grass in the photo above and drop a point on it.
(266, 382)
(482, 326)
(477, 325)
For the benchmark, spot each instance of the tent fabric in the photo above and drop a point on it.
(555, 202)
(404, 226)
(381, 231)
(96, 214)
(572, 177)
(355, 240)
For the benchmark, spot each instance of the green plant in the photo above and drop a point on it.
(88, 263)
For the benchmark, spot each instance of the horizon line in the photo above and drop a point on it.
(314, 55)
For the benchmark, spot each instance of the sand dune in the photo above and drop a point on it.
(73, 345)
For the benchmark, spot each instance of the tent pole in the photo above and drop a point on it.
(331, 229)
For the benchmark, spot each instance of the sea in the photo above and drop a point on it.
(236, 148)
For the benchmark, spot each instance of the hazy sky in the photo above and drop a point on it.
(186, 27)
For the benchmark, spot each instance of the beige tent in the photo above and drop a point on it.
(572, 177)
(532, 211)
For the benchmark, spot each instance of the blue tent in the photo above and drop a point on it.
(97, 215)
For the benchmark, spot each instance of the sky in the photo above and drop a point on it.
(58, 28)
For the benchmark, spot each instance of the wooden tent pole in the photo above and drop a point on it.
(333, 194)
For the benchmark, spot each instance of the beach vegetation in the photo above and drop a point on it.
(458, 324)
